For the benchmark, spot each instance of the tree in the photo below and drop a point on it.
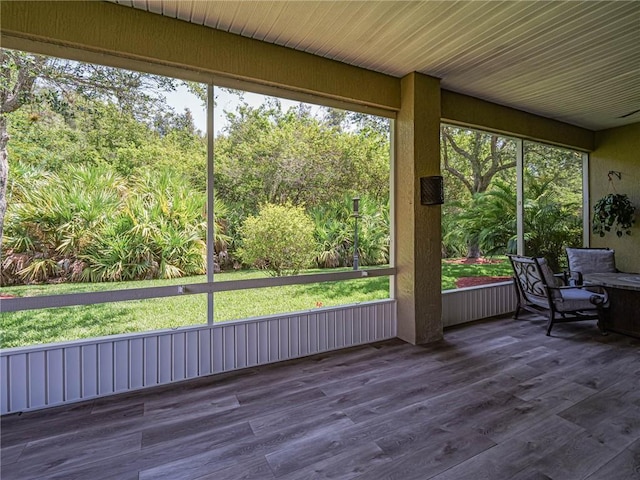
(279, 239)
(472, 159)
(18, 76)
(30, 79)
(267, 155)
(344, 120)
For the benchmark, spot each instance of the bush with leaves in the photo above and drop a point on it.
(53, 218)
(335, 232)
(279, 239)
(549, 225)
(90, 224)
(159, 233)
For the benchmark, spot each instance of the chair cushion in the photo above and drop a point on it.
(549, 278)
(571, 299)
(591, 260)
(539, 301)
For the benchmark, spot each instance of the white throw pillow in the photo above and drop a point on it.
(591, 260)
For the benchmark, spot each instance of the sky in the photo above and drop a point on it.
(182, 98)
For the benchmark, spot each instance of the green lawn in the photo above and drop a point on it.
(70, 323)
(453, 271)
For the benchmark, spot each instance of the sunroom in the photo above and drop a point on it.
(547, 91)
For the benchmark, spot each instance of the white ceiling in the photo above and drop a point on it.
(575, 61)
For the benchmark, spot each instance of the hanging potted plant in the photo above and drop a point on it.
(613, 211)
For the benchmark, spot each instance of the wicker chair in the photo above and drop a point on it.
(540, 291)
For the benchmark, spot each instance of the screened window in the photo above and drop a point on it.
(131, 198)
(479, 214)
(482, 211)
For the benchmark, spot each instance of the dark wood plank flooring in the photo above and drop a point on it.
(493, 400)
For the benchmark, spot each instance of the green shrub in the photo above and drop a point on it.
(549, 225)
(159, 233)
(279, 239)
(53, 218)
(334, 224)
(87, 223)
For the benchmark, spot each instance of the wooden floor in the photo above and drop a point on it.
(494, 400)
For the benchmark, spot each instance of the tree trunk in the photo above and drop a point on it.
(4, 172)
(473, 249)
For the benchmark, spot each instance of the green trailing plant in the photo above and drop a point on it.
(613, 211)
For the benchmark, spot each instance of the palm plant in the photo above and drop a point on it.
(118, 253)
(53, 218)
(453, 242)
(222, 240)
(374, 237)
(548, 224)
(490, 220)
(334, 241)
(335, 233)
(159, 233)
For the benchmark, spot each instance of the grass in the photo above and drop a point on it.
(32, 327)
(453, 271)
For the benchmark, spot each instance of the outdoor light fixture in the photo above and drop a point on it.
(431, 190)
(356, 215)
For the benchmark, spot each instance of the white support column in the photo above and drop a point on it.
(210, 203)
(520, 195)
(586, 207)
(392, 203)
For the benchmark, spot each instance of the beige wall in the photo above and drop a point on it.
(466, 110)
(618, 149)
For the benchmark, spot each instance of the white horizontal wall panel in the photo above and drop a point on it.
(37, 371)
(151, 361)
(204, 352)
(252, 344)
(4, 390)
(474, 303)
(55, 377)
(192, 354)
(274, 340)
(122, 363)
(165, 356)
(136, 363)
(177, 356)
(240, 343)
(73, 374)
(17, 380)
(41, 376)
(89, 370)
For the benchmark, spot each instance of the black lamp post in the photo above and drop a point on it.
(356, 216)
